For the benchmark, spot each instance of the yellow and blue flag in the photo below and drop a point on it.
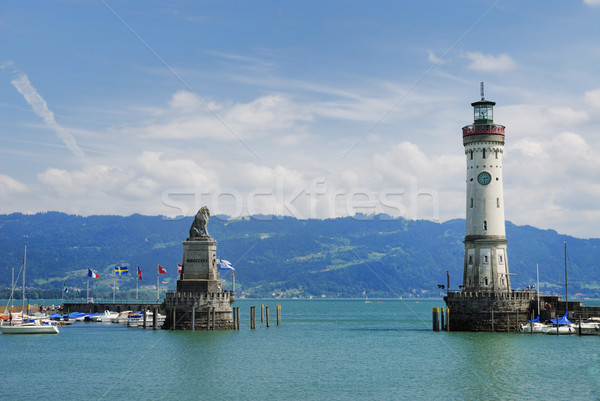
(119, 270)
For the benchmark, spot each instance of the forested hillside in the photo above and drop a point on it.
(345, 257)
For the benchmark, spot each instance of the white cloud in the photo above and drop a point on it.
(433, 58)
(592, 3)
(40, 107)
(592, 99)
(490, 63)
(190, 117)
(9, 187)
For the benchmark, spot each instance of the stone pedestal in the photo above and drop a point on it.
(199, 302)
(488, 311)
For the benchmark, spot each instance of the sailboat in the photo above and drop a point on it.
(26, 327)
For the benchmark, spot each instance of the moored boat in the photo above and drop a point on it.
(35, 327)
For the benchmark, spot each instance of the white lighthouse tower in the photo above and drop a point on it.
(486, 263)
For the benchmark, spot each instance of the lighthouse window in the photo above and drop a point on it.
(485, 260)
(497, 202)
(485, 225)
(470, 259)
(486, 281)
(484, 153)
(471, 152)
(501, 259)
(471, 202)
(496, 154)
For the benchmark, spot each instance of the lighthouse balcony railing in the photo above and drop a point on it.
(508, 295)
(476, 129)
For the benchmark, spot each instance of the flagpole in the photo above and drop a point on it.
(87, 289)
(114, 287)
(232, 282)
(136, 287)
(157, 287)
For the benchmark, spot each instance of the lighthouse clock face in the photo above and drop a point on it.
(484, 178)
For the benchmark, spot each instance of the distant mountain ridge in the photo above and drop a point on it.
(378, 256)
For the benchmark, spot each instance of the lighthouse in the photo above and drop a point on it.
(486, 262)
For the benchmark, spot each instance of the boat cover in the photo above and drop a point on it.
(562, 320)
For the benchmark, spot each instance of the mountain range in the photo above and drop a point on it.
(273, 256)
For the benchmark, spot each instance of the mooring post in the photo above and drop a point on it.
(447, 319)
(267, 315)
(193, 317)
(517, 323)
(173, 327)
(262, 320)
(579, 324)
(238, 317)
(531, 323)
(443, 312)
(144, 313)
(492, 320)
(253, 317)
(278, 315)
(214, 315)
(154, 317)
(435, 319)
(233, 316)
(508, 322)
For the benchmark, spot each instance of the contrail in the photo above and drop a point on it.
(40, 107)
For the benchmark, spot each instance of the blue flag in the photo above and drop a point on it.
(66, 289)
(119, 270)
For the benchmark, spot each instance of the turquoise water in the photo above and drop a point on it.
(324, 350)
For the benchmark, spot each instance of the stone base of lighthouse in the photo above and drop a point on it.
(489, 311)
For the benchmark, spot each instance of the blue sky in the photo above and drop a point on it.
(311, 109)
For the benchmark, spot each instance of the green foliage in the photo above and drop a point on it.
(280, 256)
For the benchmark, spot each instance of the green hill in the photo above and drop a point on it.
(281, 256)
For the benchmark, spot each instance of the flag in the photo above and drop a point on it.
(66, 289)
(179, 268)
(92, 274)
(161, 270)
(119, 270)
(224, 264)
(139, 273)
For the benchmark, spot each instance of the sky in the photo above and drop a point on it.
(308, 109)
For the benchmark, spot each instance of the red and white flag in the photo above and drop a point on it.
(139, 273)
(161, 270)
(179, 268)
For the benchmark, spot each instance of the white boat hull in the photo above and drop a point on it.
(29, 329)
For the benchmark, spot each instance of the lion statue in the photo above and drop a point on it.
(198, 228)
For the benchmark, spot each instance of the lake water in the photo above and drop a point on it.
(324, 350)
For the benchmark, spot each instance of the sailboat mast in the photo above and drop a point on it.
(537, 272)
(24, 267)
(566, 292)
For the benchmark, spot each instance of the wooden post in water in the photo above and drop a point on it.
(238, 317)
(531, 324)
(443, 312)
(214, 315)
(173, 327)
(435, 319)
(154, 318)
(233, 316)
(579, 324)
(253, 317)
(262, 320)
(517, 322)
(208, 318)
(492, 320)
(144, 319)
(448, 319)
(193, 317)
(278, 315)
(267, 315)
